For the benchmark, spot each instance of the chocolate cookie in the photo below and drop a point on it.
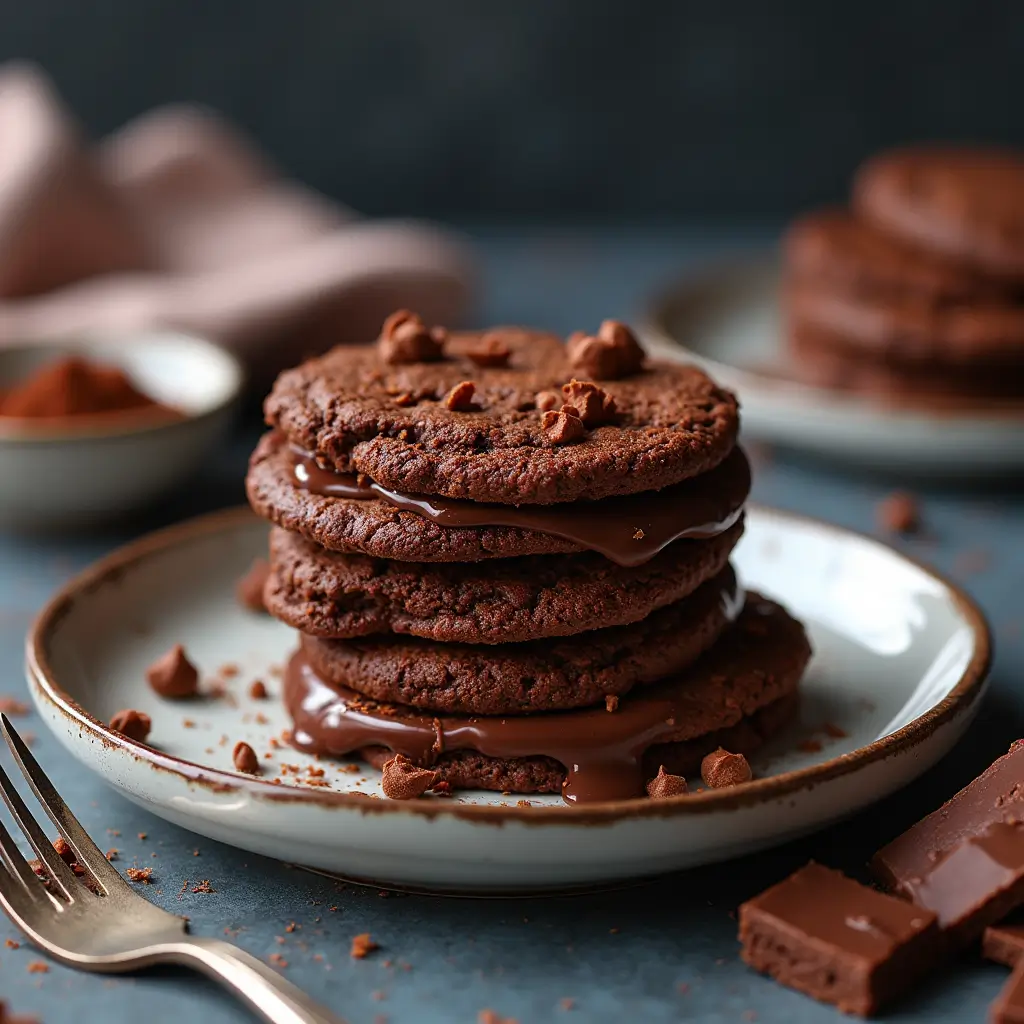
(545, 675)
(967, 204)
(910, 331)
(328, 594)
(589, 755)
(374, 526)
(416, 427)
(841, 252)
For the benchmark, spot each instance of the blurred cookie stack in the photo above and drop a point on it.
(917, 289)
(508, 562)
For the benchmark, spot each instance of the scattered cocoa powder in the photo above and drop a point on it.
(664, 785)
(133, 724)
(402, 780)
(173, 676)
(720, 769)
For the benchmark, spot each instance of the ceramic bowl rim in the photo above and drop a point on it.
(959, 700)
(15, 432)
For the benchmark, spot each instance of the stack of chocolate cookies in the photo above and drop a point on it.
(508, 562)
(917, 288)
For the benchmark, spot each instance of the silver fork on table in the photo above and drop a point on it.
(117, 930)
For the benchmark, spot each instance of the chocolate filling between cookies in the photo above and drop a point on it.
(629, 531)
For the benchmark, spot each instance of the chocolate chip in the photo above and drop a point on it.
(258, 690)
(490, 351)
(245, 759)
(594, 405)
(547, 400)
(402, 780)
(460, 398)
(563, 427)
(720, 769)
(173, 676)
(665, 785)
(405, 338)
(898, 513)
(249, 590)
(612, 353)
(133, 724)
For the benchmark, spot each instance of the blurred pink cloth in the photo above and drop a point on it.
(175, 221)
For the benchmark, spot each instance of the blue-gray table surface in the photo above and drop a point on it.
(660, 952)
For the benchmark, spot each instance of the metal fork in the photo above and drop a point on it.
(116, 929)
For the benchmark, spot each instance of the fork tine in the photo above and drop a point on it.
(18, 867)
(58, 871)
(87, 853)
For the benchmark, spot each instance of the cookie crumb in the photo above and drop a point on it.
(258, 690)
(567, 1003)
(173, 676)
(362, 946)
(402, 780)
(11, 944)
(899, 513)
(638, 534)
(135, 725)
(144, 876)
(205, 886)
(245, 759)
(38, 967)
(490, 1017)
(249, 589)
(664, 785)
(460, 398)
(14, 708)
(611, 702)
(720, 769)
(809, 746)
(547, 400)
(277, 960)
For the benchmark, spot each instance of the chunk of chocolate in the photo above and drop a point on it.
(405, 338)
(173, 675)
(402, 780)
(612, 353)
(1009, 1006)
(721, 768)
(245, 758)
(837, 940)
(1004, 943)
(664, 785)
(593, 405)
(134, 724)
(564, 427)
(995, 795)
(460, 398)
(975, 884)
(490, 351)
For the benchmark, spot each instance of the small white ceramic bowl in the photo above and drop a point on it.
(68, 474)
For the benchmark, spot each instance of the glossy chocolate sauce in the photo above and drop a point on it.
(602, 751)
(630, 531)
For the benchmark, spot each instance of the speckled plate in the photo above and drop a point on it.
(727, 320)
(900, 664)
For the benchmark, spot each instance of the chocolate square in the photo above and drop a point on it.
(837, 940)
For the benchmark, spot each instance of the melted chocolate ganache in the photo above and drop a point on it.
(758, 662)
(629, 530)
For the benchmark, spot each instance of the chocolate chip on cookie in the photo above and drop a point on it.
(593, 405)
(612, 353)
(563, 427)
(460, 398)
(405, 338)
(490, 351)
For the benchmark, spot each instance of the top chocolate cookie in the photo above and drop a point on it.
(508, 416)
(965, 203)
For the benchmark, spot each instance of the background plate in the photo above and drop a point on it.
(727, 320)
(900, 663)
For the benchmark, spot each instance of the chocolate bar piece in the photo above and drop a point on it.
(995, 795)
(975, 884)
(837, 940)
(1009, 1006)
(1004, 943)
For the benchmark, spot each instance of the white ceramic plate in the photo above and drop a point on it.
(727, 320)
(900, 665)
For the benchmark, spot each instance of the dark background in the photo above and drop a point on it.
(550, 108)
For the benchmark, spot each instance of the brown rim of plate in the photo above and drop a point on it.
(964, 694)
(670, 301)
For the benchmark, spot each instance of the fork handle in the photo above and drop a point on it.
(260, 987)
